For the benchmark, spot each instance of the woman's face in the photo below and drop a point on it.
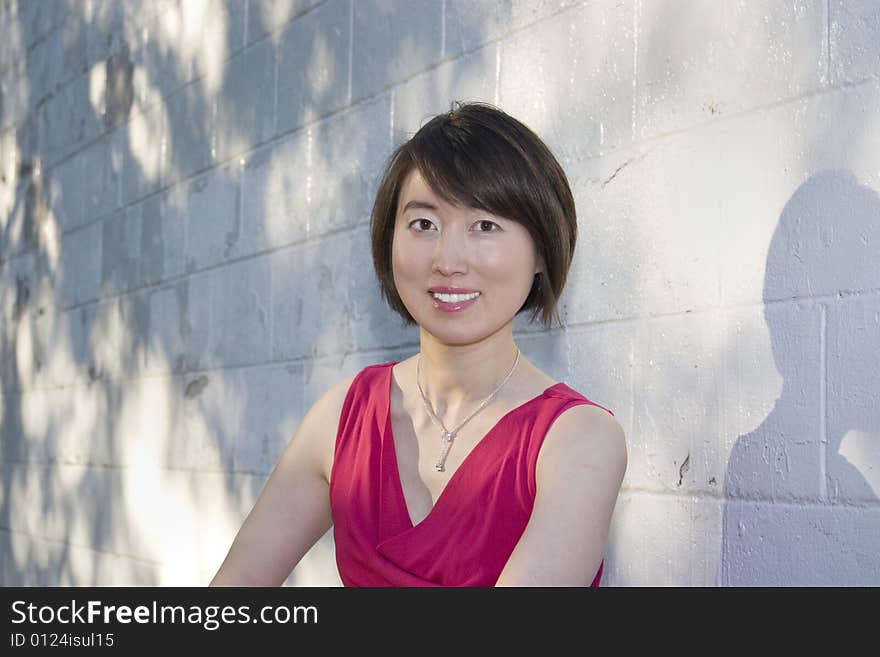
(437, 244)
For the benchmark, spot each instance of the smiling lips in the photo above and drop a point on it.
(455, 298)
(449, 294)
(453, 301)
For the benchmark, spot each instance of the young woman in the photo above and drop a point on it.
(465, 464)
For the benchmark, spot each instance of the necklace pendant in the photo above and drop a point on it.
(440, 465)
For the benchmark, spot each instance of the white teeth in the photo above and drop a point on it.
(454, 298)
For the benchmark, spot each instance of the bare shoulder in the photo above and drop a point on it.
(585, 436)
(334, 397)
(323, 418)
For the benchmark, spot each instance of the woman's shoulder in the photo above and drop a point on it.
(588, 433)
(327, 410)
(578, 422)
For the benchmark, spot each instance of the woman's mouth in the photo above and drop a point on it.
(451, 303)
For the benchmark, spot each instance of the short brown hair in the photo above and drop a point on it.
(478, 156)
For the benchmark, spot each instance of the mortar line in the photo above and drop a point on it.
(247, 21)
(496, 92)
(443, 9)
(699, 494)
(90, 548)
(823, 403)
(637, 10)
(828, 42)
(350, 51)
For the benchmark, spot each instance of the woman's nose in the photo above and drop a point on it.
(450, 254)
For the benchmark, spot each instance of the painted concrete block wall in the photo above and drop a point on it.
(185, 189)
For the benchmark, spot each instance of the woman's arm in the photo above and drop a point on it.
(578, 474)
(293, 510)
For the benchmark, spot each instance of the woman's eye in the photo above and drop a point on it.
(487, 226)
(421, 224)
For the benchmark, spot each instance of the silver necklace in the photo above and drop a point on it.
(446, 436)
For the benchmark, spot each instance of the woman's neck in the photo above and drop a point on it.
(454, 377)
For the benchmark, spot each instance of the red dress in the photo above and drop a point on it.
(476, 522)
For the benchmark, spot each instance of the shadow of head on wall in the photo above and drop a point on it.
(799, 489)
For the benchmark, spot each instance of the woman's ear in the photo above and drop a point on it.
(539, 268)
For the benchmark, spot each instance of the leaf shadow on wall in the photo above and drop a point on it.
(802, 491)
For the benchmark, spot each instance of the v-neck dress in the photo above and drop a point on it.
(476, 521)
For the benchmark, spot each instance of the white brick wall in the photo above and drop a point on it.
(184, 200)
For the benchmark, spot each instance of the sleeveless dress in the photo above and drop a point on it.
(477, 520)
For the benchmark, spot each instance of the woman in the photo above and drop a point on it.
(463, 465)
